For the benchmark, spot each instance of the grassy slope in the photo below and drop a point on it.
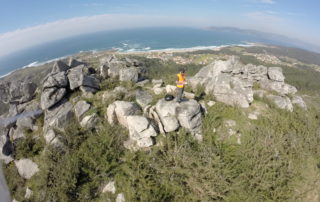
(276, 161)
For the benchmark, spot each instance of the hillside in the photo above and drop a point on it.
(95, 127)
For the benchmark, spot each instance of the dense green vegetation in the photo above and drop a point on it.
(304, 79)
(299, 54)
(266, 166)
(278, 158)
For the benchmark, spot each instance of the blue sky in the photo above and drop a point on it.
(28, 21)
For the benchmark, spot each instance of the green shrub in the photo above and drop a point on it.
(29, 146)
(15, 183)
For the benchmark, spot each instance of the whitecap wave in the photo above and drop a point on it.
(33, 64)
(195, 48)
(2, 76)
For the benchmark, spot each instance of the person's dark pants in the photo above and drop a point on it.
(180, 93)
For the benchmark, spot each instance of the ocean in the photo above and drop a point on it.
(129, 40)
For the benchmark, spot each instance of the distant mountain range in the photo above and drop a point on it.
(271, 36)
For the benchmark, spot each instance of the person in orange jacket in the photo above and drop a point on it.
(181, 82)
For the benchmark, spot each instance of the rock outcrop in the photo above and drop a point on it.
(90, 121)
(282, 102)
(59, 116)
(17, 92)
(59, 66)
(79, 77)
(143, 98)
(54, 89)
(129, 74)
(26, 168)
(118, 112)
(231, 82)
(127, 69)
(74, 63)
(173, 115)
(141, 132)
(80, 108)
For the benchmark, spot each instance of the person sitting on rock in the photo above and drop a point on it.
(181, 82)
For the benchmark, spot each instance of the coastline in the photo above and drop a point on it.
(134, 52)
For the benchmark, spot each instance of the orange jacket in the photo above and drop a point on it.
(181, 80)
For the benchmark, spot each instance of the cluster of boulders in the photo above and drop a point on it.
(232, 82)
(125, 68)
(164, 117)
(65, 78)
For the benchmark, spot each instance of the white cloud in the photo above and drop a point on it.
(23, 38)
(11, 42)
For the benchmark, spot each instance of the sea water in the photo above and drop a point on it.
(127, 40)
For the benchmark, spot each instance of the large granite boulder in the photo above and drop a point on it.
(52, 138)
(232, 90)
(129, 74)
(59, 66)
(21, 92)
(151, 112)
(80, 77)
(275, 74)
(143, 98)
(118, 112)
(80, 108)
(127, 69)
(54, 89)
(17, 92)
(75, 76)
(32, 108)
(59, 116)
(280, 87)
(90, 121)
(57, 80)
(114, 67)
(283, 102)
(26, 168)
(167, 114)
(257, 73)
(189, 115)
(74, 63)
(141, 132)
(186, 114)
(52, 96)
